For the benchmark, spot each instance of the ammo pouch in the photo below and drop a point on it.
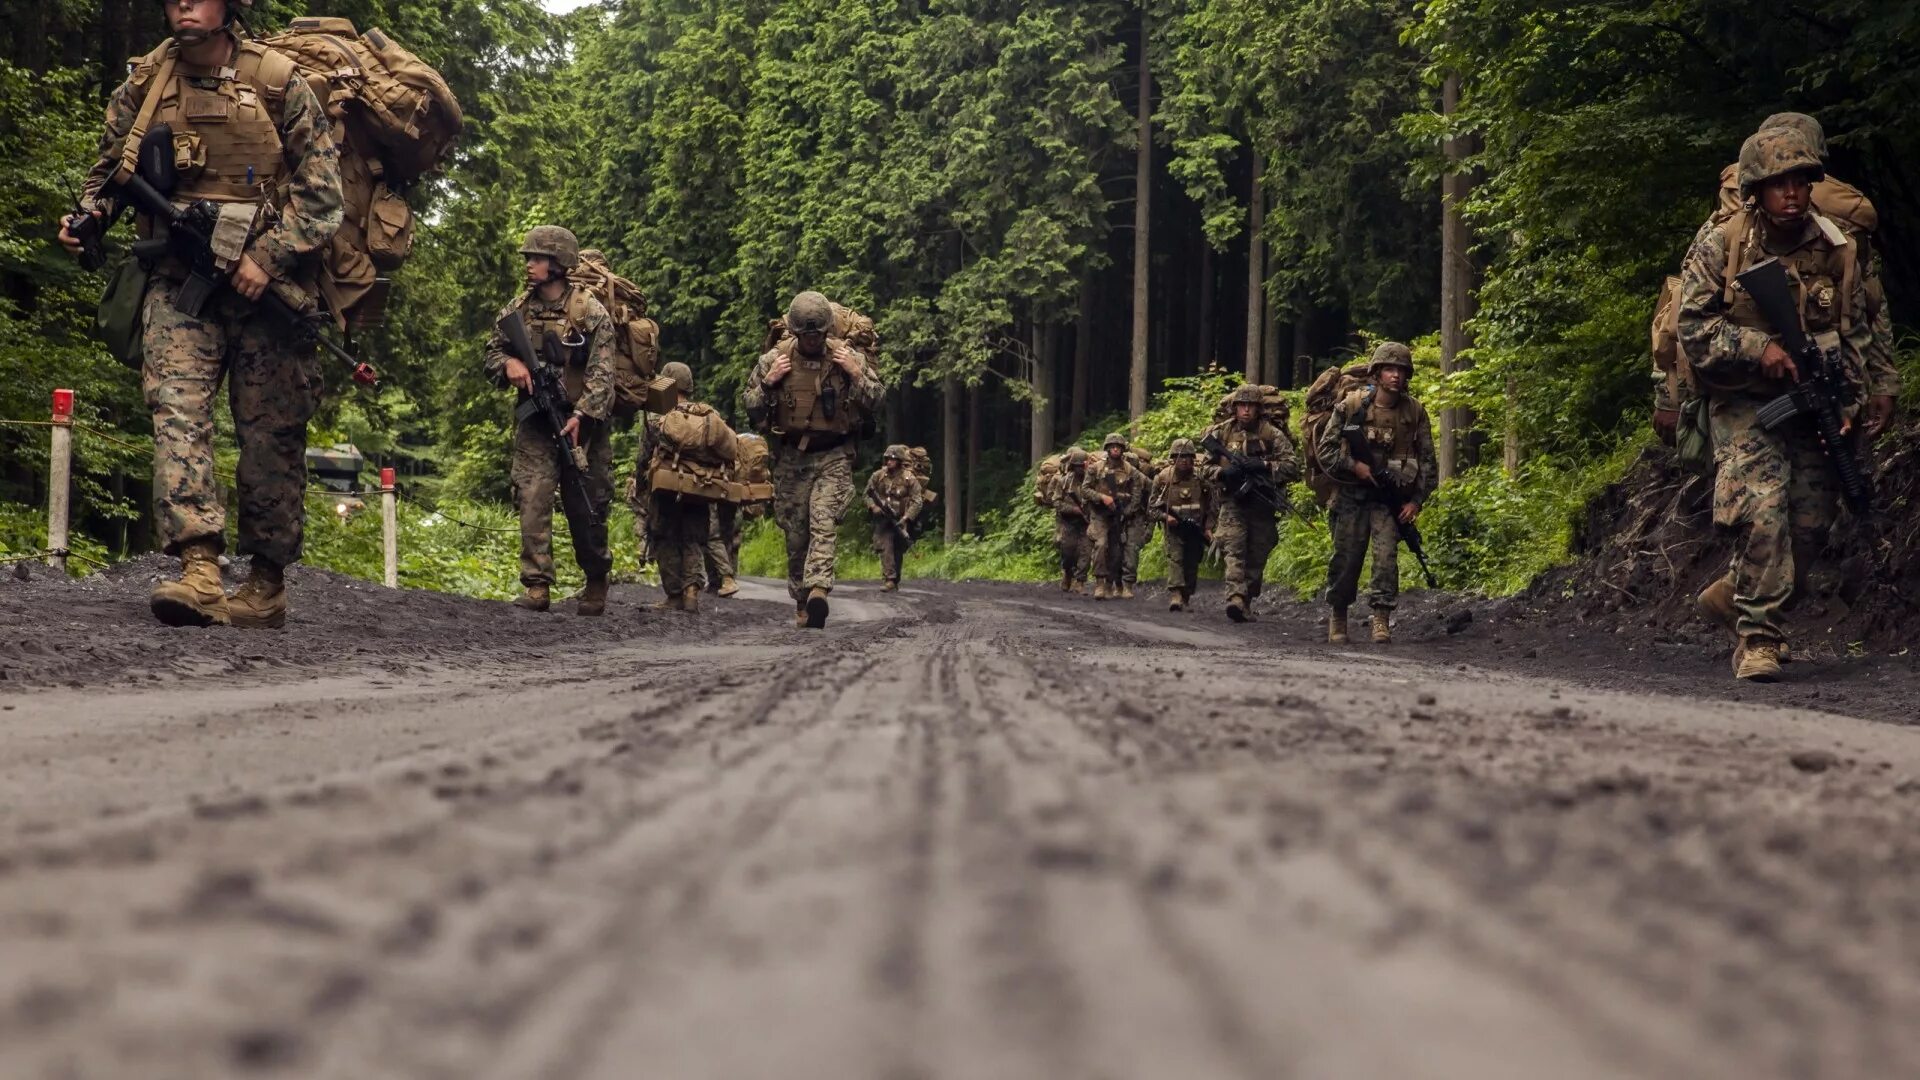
(117, 322)
(1693, 439)
(389, 228)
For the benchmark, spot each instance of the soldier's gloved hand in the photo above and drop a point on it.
(1665, 423)
(518, 375)
(67, 239)
(1409, 512)
(778, 370)
(1880, 409)
(249, 280)
(571, 429)
(847, 359)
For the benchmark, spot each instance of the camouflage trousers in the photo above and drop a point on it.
(1184, 547)
(640, 501)
(892, 549)
(1070, 540)
(1246, 536)
(1109, 538)
(722, 549)
(679, 529)
(810, 496)
(1358, 522)
(1139, 532)
(536, 476)
(273, 386)
(1776, 493)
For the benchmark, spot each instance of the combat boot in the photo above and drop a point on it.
(1756, 661)
(1126, 591)
(1066, 581)
(262, 601)
(1716, 602)
(1078, 588)
(800, 614)
(1177, 601)
(816, 609)
(728, 586)
(196, 598)
(1382, 627)
(1337, 627)
(672, 601)
(889, 586)
(593, 598)
(533, 598)
(1100, 589)
(690, 599)
(1237, 608)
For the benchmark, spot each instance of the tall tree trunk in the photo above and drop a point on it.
(1302, 363)
(1256, 269)
(1510, 446)
(1203, 341)
(973, 456)
(1270, 346)
(950, 451)
(1456, 286)
(1082, 358)
(1041, 442)
(1142, 221)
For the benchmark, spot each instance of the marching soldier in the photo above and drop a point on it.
(1183, 503)
(893, 500)
(688, 452)
(1246, 529)
(1065, 493)
(1116, 491)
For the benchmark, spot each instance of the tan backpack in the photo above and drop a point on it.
(752, 475)
(693, 453)
(397, 121)
(636, 338)
(1327, 391)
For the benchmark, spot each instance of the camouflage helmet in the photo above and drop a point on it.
(1076, 456)
(1182, 448)
(1807, 126)
(1247, 394)
(1775, 152)
(1115, 439)
(897, 452)
(681, 374)
(810, 313)
(1390, 354)
(555, 242)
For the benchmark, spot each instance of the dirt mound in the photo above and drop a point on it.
(96, 631)
(1648, 545)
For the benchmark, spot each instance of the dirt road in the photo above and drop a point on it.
(965, 831)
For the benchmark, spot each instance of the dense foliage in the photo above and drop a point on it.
(964, 170)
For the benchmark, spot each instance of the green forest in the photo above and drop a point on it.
(1065, 216)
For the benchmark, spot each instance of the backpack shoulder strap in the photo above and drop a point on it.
(1735, 229)
(163, 60)
(268, 71)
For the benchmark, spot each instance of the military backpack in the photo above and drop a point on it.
(636, 338)
(1327, 392)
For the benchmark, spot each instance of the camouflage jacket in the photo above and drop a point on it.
(1190, 499)
(590, 381)
(898, 493)
(1263, 440)
(1068, 494)
(1400, 437)
(760, 400)
(1123, 482)
(294, 236)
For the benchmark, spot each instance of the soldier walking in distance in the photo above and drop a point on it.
(582, 339)
(812, 394)
(894, 497)
(1114, 492)
(1183, 503)
(686, 455)
(1399, 438)
(1066, 493)
(1774, 491)
(271, 129)
(1245, 527)
(721, 548)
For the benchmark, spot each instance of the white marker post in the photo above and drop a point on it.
(60, 479)
(390, 528)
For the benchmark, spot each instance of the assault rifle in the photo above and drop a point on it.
(549, 403)
(187, 235)
(1820, 387)
(1072, 501)
(1387, 490)
(1245, 478)
(902, 529)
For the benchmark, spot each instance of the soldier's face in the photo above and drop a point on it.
(813, 342)
(196, 14)
(1787, 197)
(1393, 379)
(1243, 411)
(1183, 466)
(893, 464)
(540, 269)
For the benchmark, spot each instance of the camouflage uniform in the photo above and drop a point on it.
(722, 552)
(1190, 500)
(899, 495)
(1246, 532)
(1107, 527)
(536, 469)
(273, 377)
(1773, 490)
(1139, 525)
(1401, 438)
(1066, 493)
(812, 454)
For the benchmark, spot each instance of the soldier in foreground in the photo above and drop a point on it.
(1065, 493)
(893, 501)
(687, 454)
(571, 336)
(1397, 454)
(274, 130)
(1246, 528)
(1115, 491)
(811, 393)
(1182, 501)
(1774, 491)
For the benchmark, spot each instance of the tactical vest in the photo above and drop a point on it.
(225, 122)
(1393, 435)
(892, 492)
(1186, 499)
(1822, 272)
(1256, 443)
(801, 399)
(562, 320)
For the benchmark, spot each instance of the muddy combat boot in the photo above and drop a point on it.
(800, 615)
(690, 599)
(728, 587)
(1237, 608)
(1126, 591)
(1066, 581)
(1177, 600)
(533, 598)
(1382, 627)
(593, 598)
(262, 601)
(1078, 588)
(1716, 603)
(672, 602)
(816, 610)
(1337, 627)
(889, 586)
(196, 598)
(1756, 661)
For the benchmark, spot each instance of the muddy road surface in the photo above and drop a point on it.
(966, 831)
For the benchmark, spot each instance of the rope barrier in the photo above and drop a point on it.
(51, 551)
